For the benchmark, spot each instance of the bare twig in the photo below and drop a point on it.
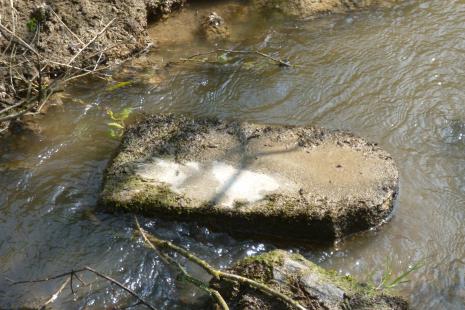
(72, 273)
(57, 293)
(3, 129)
(13, 106)
(13, 15)
(121, 286)
(39, 69)
(281, 62)
(58, 276)
(66, 27)
(4, 30)
(90, 42)
(94, 73)
(98, 60)
(30, 103)
(157, 243)
(36, 86)
(168, 260)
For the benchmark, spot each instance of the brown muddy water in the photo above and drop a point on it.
(395, 76)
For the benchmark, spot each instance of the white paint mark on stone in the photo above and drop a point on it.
(212, 180)
(168, 172)
(242, 185)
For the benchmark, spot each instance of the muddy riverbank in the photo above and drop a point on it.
(46, 43)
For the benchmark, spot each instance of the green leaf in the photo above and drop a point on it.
(401, 277)
(116, 125)
(112, 116)
(123, 115)
(113, 133)
(32, 24)
(223, 58)
(119, 85)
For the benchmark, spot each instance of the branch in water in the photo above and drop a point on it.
(73, 273)
(279, 61)
(168, 260)
(159, 245)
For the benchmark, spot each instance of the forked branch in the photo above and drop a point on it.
(74, 273)
(163, 245)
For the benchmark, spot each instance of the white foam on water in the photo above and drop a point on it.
(212, 180)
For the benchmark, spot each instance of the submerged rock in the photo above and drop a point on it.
(308, 8)
(310, 285)
(213, 27)
(288, 182)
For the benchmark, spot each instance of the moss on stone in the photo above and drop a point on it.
(133, 194)
(313, 286)
(298, 211)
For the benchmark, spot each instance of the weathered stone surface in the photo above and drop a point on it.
(213, 27)
(288, 182)
(309, 8)
(310, 285)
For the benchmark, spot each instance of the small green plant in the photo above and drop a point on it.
(32, 24)
(118, 122)
(119, 85)
(223, 58)
(389, 281)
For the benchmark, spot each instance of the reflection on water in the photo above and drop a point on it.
(395, 76)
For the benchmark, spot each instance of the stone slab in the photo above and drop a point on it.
(291, 182)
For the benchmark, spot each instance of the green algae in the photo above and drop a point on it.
(181, 139)
(262, 268)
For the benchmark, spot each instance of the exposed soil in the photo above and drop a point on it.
(60, 32)
(85, 19)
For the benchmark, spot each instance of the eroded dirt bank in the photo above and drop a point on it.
(42, 42)
(66, 25)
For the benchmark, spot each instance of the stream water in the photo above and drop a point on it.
(395, 76)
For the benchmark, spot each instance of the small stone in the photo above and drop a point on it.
(213, 27)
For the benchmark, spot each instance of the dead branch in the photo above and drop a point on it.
(279, 61)
(28, 104)
(57, 293)
(74, 273)
(26, 94)
(90, 42)
(156, 243)
(66, 27)
(168, 260)
(11, 34)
